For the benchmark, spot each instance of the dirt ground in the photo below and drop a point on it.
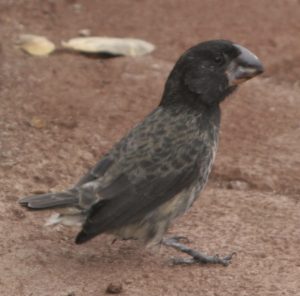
(251, 204)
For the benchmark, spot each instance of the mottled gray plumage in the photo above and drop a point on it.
(156, 172)
(166, 155)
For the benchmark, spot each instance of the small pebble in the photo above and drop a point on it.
(77, 7)
(84, 32)
(238, 185)
(114, 288)
(37, 122)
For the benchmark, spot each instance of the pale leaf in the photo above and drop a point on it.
(114, 46)
(36, 45)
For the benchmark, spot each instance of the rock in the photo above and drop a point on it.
(37, 122)
(238, 185)
(114, 288)
(84, 32)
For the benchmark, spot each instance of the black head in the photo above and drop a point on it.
(208, 72)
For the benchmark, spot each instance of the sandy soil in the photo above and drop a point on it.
(251, 204)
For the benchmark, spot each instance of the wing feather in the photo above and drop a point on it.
(132, 201)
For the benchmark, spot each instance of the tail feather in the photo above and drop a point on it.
(49, 200)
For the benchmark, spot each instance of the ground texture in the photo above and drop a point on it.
(59, 114)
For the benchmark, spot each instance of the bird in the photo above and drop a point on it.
(157, 170)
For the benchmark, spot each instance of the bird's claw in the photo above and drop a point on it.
(228, 258)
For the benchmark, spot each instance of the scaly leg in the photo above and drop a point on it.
(196, 257)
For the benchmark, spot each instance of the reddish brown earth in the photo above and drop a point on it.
(251, 204)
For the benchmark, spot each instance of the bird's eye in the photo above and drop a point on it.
(219, 59)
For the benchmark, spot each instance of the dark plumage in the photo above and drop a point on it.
(155, 172)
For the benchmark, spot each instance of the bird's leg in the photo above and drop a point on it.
(196, 257)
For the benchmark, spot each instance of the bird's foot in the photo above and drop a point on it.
(196, 257)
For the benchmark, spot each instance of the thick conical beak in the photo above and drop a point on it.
(244, 67)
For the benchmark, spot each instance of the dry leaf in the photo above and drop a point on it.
(115, 46)
(36, 45)
(37, 122)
